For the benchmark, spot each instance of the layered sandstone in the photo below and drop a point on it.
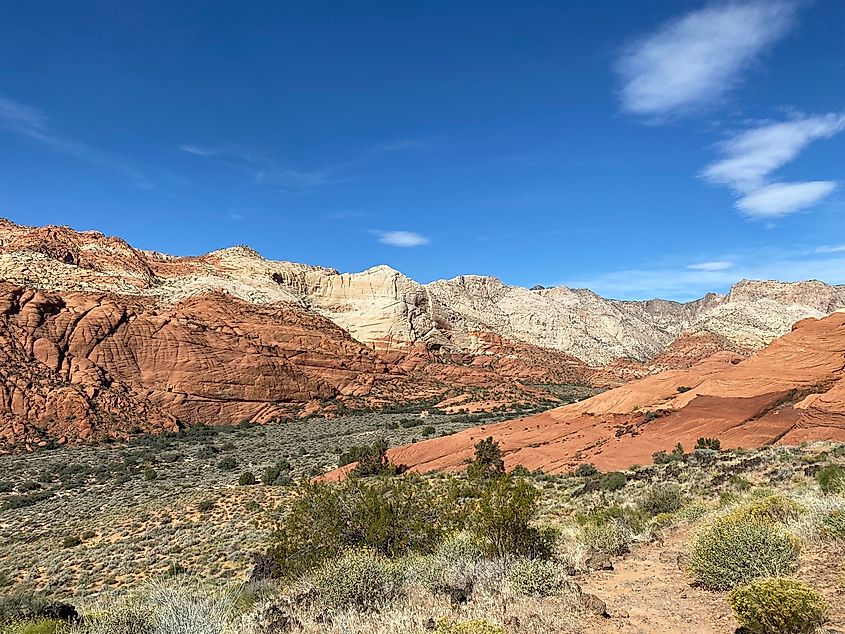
(793, 390)
(112, 338)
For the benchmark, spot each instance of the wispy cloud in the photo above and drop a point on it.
(781, 199)
(672, 280)
(406, 239)
(197, 150)
(32, 124)
(695, 60)
(716, 265)
(267, 170)
(831, 248)
(751, 157)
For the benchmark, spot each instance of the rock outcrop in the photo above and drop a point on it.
(792, 391)
(98, 338)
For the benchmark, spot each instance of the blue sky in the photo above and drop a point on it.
(638, 148)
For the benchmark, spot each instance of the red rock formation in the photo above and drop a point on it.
(103, 365)
(794, 390)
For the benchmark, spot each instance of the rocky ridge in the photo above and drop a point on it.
(101, 338)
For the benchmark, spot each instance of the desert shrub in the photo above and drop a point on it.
(833, 524)
(502, 520)
(708, 443)
(71, 541)
(428, 430)
(488, 461)
(613, 481)
(831, 478)
(23, 501)
(536, 577)
(737, 550)
(358, 579)
(662, 457)
(6, 486)
(740, 483)
(778, 606)
(662, 498)
(683, 388)
(585, 470)
(278, 474)
(227, 464)
(205, 505)
(43, 626)
(608, 538)
(171, 607)
(693, 511)
(392, 517)
(476, 626)
(247, 479)
(150, 474)
(772, 508)
(373, 461)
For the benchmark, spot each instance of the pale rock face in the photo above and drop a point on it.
(388, 311)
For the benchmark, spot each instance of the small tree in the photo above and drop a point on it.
(503, 518)
(488, 460)
(247, 479)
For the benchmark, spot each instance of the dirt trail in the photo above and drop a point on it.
(647, 592)
(649, 587)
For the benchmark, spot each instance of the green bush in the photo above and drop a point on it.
(150, 474)
(373, 461)
(833, 524)
(772, 508)
(71, 541)
(585, 470)
(476, 626)
(831, 478)
(488, 461)
(203, 506)
(778, 606)
(247, 479)
(278, 474)
(734, 550)
(662, 498)
(708, 443)
(661, 457)
(393, 517)
(502, 520)
(363, 580)
(227, 464)
(536, 577)
(607, 538)
(613, 481)
(45, 626)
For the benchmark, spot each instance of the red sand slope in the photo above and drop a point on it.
(792, 391)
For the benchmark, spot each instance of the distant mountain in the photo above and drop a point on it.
(98, 338)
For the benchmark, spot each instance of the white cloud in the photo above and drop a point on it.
(694, 60)
(672, 281)
(32, 124)
(402, 238)
(780, 199)
(198, 150)
(831, 248)
(717, 265)
(751, 157)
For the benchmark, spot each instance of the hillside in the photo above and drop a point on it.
(101, 339)
(792, 391)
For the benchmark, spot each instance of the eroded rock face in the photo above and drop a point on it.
(104, 365)
(792, 391)
(98, 338)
